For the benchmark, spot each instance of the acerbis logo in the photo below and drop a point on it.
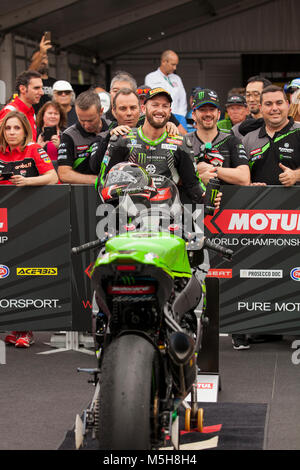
(255, 222)
(3, 220)
(36, 271)
(4, 271)
(295, 274)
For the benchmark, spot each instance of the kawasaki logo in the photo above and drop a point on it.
(255, 221)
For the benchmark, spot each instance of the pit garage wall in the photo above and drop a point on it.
(210, 56)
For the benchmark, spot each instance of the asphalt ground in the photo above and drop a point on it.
(40, 394)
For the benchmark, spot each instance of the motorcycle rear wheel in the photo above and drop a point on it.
(128, 391)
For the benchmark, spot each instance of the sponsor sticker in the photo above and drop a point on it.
(261, 273)
(220, 273)
(4, 271)
(295, 274)
(37, 271)
(257, 221)
(169, 146)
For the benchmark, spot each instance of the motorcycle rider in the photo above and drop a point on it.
(154, 149)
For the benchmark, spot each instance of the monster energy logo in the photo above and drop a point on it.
(214, 193)
(201, 95)
(142, 158)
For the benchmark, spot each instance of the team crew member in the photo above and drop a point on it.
(29, 86)
(274, 149)
(151, 147)
(210, 145)
(76, 141)
(237, 111)
(22, 163)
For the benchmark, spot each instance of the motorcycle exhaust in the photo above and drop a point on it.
(181, 348)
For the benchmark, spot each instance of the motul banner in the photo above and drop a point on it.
(262, 226)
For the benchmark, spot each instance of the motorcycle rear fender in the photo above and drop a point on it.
(104, 272)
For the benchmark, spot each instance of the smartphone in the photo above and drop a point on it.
(47, 36)
(49, 132)
(6, 175)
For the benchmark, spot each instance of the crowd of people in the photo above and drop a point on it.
(50, 136)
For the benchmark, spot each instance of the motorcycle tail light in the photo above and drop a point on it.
(126, 267)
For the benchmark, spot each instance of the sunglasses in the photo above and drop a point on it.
(142, 91)
(64, 92)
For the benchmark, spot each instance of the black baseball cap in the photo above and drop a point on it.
(158, 91)
(236, 99)
(206, 96)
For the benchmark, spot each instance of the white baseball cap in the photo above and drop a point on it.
(62, 85)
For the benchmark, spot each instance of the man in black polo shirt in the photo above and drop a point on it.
(274, 149)
(210, 144)
(76, 142)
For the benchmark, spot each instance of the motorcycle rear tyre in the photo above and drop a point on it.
(126, 394)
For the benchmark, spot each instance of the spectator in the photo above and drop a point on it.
(237, 111)
(29, 87)
(164, 77)
(76, 141)
(142, 92)
(53, 117)
(64, 95)
(254, 120)
(274, 149)
(290, 88)
(209, 142)
(294, 109)
(40, 63)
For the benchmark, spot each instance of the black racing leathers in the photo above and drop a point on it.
(169, 156)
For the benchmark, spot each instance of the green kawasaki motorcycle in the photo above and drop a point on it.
(149, 312)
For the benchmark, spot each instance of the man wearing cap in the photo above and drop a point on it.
(151, 147)
(217, 154)
(237, 111)
(29, 87)
(290, 88)
(64, 95)
(164, 77)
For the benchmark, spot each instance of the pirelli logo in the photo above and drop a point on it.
(37, 271)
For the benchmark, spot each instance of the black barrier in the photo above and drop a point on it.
(35, 261)
(44, 288)
(259, 289)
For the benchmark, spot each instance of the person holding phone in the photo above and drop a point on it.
(40, 62)
(51, 122)
(22, 163)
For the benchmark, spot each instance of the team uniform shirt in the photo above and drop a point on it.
(33, 161)
(18, 105)
(173, 84)
(75, 147)
(169, 156)
(227, 145)
(265, 153)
